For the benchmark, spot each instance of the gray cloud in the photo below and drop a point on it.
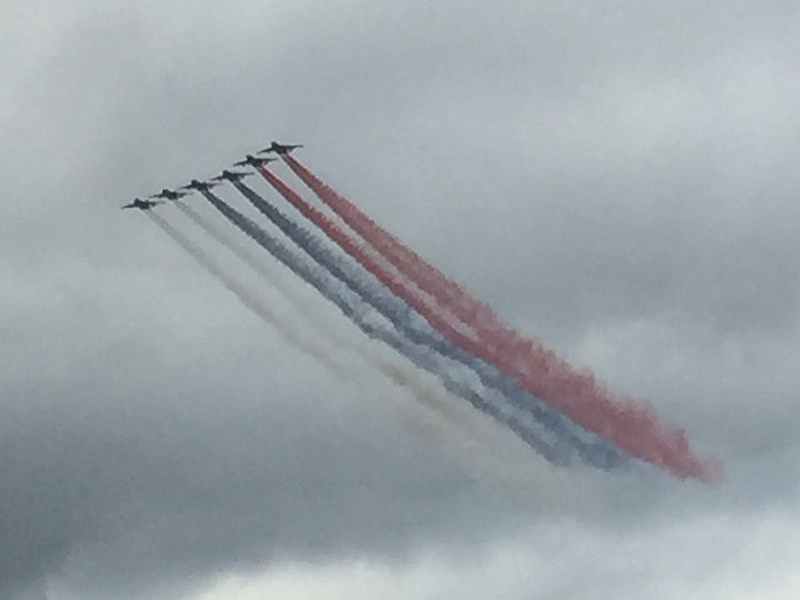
(619, 180)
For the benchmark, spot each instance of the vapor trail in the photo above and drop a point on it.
(597, 452)
(363, 316)
(635, 429)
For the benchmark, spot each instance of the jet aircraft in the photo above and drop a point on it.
(280, 148)
(231, 176)
(199, 185)
(168, 194)
(142, 204)
(253, 161)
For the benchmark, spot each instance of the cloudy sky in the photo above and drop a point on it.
(618, 179)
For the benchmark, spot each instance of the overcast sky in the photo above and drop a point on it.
(618, 179)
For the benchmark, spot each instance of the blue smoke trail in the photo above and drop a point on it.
(355, 277)
(363, 316)
(596, 451)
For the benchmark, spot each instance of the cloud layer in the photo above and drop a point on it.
(618, 180)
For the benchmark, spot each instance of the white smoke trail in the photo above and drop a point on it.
(255, 304)
(274, 273)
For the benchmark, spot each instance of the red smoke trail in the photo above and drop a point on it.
(354, 249)
(635, 429)
(447, 292)
(541, 363)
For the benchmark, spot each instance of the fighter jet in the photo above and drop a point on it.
(199, 185)
(168, 194)
(142, 204)
(280, 148)
(253, 161)
(231, 176)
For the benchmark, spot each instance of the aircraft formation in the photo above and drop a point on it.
(396, 297)
(226, 175)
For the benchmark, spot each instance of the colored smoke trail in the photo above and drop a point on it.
(361, 314)
(635, 429)
(448, 293)
(328, 356)
(395, 371)
(354, 249)
(369, 290)
(349, 245)
(596, 453)
(460, 432)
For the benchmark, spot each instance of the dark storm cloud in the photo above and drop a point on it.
(621, 178)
